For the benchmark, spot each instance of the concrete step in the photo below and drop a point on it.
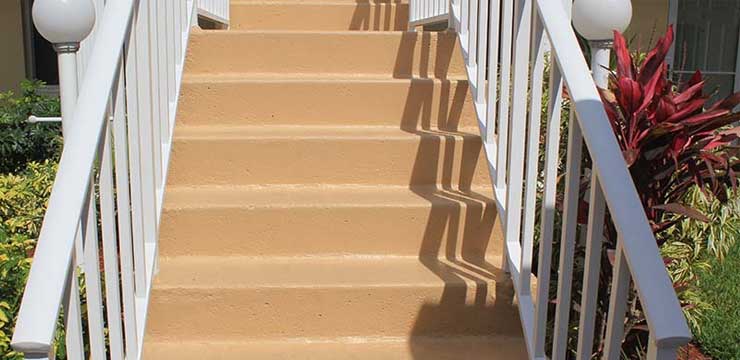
(216, 155)
(367, 348)
(329, 220)
(305, 100)
(321, 15)
(392, 53)
(235, 298)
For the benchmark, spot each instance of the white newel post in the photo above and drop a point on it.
(596, 20)
(65, 23)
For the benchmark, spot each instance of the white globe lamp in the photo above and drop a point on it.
(596, 20)
(64, 21)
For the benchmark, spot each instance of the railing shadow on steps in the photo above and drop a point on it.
(109, 187)
(510, 39)
(379, 16)
(477, 297)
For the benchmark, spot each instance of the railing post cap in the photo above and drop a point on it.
(64, 21)
(597, 19)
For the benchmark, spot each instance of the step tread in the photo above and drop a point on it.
(297, 132)
(230, 272)
(302, 195)
(359, 348)
(288, 77)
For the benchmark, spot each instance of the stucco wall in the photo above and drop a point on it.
(12, 65)
(649, 21)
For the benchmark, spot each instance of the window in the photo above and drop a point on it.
(41, 58)
(707, 39)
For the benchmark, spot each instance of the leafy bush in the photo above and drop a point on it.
(669, 140)
(21, 142)
(23, 200)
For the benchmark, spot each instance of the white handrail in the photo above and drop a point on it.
(523, 31)
(113, 165)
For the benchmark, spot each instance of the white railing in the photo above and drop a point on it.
(110, 182)
(216, 10)
(510, 38)
(428, 12)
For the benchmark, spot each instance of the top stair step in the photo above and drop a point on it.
(322, 15)
(383, 54)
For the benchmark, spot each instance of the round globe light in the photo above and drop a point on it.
(64, 21)
(597, 19)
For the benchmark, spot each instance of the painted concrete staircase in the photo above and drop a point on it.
(328, 196)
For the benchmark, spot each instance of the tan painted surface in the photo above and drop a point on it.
(649, 21)
(328, 197)
(12, 59)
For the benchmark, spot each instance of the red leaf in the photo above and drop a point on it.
(704, 117)
(654, 60)
(695, 79)
(651, 89)
(624, 58)
(688, 109)
(629, 94)
(688, 94)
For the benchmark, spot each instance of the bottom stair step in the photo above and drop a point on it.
(381, 348)
(234, 298)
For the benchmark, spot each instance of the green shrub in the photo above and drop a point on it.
(20, 141)
(23, 199)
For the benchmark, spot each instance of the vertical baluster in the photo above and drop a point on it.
(171, 69)
(547, 225)
(518, 128)
(150, 126)
(493, 47)
(73, 316)
(533, 150)
(125, 191)
(110, 247)
(138, 107)
(149, 106)
(464, 7)
(592, 270)
(179, 22)
(617, 305)
(568, 239)
(481, 61)
(507, 14)
(472, 40)
(94, 293)
(159, 119)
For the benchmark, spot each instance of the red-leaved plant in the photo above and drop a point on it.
(670, 139)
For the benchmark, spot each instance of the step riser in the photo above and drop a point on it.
(427, 160)
(412, 104)
(488, 348)
(468, 229)
(234, 314)
(398, 54)
(296, 16)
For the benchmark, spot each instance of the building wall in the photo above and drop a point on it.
(649, 21)
(12, 63)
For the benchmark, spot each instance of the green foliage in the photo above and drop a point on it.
(698, 252)
(22, 142)
(718, 329)
(23, 200)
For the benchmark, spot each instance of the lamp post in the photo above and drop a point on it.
(65, 23)
(596, 20)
